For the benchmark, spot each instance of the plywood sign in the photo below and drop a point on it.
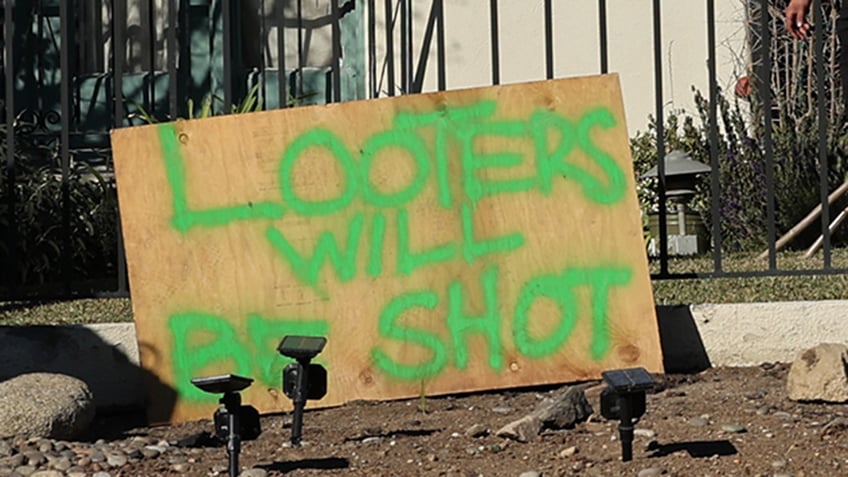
(445, 242)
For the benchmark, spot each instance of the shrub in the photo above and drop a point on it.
(54, 229)
(742, 172)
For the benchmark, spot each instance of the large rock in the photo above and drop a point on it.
(565, 409)
(562, 411)
(45, 405)
(819, 374)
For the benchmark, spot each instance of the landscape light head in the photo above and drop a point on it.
(302, 380)
(225, 383)
(232, 420)
(301, 347)
(624, 399)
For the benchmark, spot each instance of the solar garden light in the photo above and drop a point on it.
(232, 420)
(302, 380)
(624, 399)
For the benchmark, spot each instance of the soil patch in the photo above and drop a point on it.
(724, 421)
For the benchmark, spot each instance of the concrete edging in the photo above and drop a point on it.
(694, 337)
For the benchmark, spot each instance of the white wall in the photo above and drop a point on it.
(576, 46)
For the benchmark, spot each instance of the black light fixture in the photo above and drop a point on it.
(624, 399)
(232, 420)
(681, 178)
(302, 380)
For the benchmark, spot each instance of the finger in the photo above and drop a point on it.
(795, 25)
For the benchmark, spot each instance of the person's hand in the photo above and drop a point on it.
(796, 19)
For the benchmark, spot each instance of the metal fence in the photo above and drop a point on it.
(73, 70)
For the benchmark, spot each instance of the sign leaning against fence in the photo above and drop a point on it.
(446, 242)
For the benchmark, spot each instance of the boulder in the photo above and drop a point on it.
(47, 405)
(819, 374)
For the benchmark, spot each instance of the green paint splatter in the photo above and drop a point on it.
(561, 289)
(399, 139)
(184, 218)
(318, 138)
(545, 286)
(616, 185)
(190, 358)
(477, 188)
(407, 261)
(389, 328)
(488, 324)
(201, 340)
(326, 250)
(549, 163)
(473, 249)
(265, 334)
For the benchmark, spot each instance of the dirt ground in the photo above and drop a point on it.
(723, 421)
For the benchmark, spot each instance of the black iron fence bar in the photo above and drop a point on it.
(441, 80)
(40, 34)
(119, 27)
(11, 235)
(602, 33)
(282, 77)
(426, 44)
(753, 274)
(150, 91)
(390, 48)
(227, 37)
(549, 40)
(301, 59)
(184, 50)
(406, 46)
(658, 96)
(171, 48)
(824, 189)
(263, 86)
(65, 141)
(337, 51)
(371, 26)
(768, 146)
(410, 57)
(715, 185)
(93, 17)
(496, 56)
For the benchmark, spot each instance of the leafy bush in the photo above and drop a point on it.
(54, 227)
(743, 167)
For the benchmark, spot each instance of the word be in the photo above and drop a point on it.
(203, 339)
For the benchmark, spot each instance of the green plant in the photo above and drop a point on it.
(422, 399)
(249, 104)
(60, 223)
(743, 167)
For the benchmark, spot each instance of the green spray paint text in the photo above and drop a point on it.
(560, 148)
(555, 142)
(562, 289)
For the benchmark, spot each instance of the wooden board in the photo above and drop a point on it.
(447, 242)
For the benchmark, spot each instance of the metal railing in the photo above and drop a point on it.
(72, 70)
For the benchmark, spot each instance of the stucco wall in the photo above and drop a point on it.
(576, 46)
